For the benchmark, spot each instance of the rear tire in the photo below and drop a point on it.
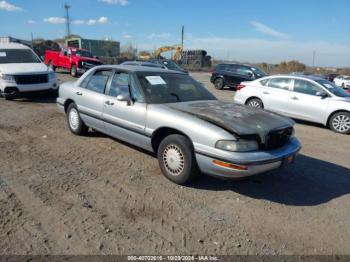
(73, 71)
(75, 123)
(255, 103)
(340, 123)
(177, 160)
(219, 83)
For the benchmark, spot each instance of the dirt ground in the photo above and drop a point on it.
(63, 194)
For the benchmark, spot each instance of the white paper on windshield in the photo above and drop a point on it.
(329, 86)
(155, 80)
(2, 54)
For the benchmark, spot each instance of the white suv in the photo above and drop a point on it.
(22, 71)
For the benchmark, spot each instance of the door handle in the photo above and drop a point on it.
(109, 103)
(79, 93)
(295, 98)
(266, 93)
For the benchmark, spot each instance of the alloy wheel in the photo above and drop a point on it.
(341, 123)
(254, 104)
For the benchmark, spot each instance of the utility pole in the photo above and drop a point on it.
(313, 61)
(182, 37)
(66, 6)
(32, 39)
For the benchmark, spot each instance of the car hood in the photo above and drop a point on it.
(23, 68)
(238, 119)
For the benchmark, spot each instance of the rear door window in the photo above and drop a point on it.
(245, 71)
(232, 69)
(280, 83)
(98, 81)
(264, 82)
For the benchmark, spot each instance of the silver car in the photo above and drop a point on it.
(308, 98)
(174, 116)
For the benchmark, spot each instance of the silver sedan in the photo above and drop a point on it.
(301, 97)
(175, 117)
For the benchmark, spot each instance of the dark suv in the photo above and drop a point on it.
(232, 75)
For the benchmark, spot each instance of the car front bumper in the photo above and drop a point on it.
(232, 165)
(50, 85)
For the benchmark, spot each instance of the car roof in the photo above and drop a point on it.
(13, 46)
(137, 68)
(239, 64)
(309, 77)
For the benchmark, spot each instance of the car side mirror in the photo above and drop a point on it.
(322, 94)
(251, 75)
(124, 97)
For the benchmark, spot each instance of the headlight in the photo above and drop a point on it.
(8, 78)
(237, 146)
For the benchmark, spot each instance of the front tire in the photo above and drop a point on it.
(75, 123)
(255, 103)
(219, 83)
(13, 94)
(177, 160)
(73, 71)
(340, 123)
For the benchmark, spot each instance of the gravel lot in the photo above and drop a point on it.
(63, 194)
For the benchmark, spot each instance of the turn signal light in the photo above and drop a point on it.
(229, 165)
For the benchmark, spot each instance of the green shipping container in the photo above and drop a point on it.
(100, 48)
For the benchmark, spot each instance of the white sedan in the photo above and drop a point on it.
(343, 81)
(301, 97)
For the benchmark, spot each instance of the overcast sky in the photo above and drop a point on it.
(251, 31)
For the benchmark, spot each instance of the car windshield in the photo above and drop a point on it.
(83, 53)
(258, 72)
(12, 56)
(171, 65)
(161, 88)
(334, 89)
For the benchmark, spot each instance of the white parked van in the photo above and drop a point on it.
(21, 71)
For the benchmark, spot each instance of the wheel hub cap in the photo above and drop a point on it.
(173, 160)
(73, 119)
(341, 123)
(254, 104)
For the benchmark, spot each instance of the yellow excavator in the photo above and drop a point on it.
(160, 50)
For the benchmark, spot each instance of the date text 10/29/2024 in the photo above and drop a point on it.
(173, 258)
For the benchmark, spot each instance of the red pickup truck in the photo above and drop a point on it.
(76, 60)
